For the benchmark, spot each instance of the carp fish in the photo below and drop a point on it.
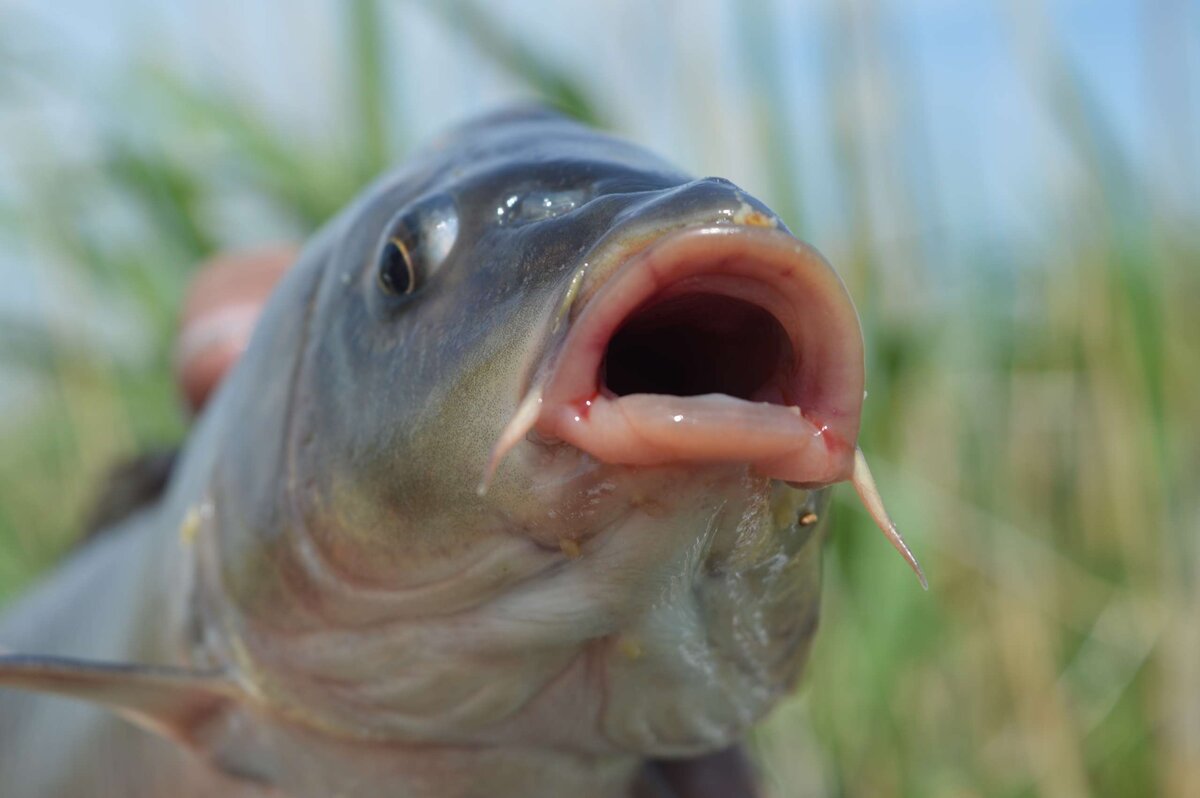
(518, 490)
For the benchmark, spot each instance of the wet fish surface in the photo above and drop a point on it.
(518, 490)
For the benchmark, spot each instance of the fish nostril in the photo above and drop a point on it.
(697, 344)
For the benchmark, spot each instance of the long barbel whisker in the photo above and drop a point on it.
(516, 429)
(867, 490)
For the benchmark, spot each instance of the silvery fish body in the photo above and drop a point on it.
(516, 492)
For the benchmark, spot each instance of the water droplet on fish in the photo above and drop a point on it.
(538, 205)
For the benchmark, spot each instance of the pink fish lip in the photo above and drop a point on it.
(719, 344)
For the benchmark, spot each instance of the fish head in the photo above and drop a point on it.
(532, 446)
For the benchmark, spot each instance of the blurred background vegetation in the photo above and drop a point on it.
(1034, 344)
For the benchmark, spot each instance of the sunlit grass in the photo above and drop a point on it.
(1035, 434)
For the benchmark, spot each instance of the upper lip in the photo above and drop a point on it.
(789, 408)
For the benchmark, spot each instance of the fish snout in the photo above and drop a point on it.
(707, 200)
(725, 342)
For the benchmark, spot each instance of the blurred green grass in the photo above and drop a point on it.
(1035, 433)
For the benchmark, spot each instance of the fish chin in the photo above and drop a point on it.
(680, 610)
(690, 593)
(713, 637)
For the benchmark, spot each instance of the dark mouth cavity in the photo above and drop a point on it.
(698, 344)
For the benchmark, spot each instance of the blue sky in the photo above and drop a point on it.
(661, 66)
(949, 97)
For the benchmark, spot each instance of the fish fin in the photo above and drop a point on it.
(864, 484)
(169, 701)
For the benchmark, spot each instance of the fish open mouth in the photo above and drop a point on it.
(726, 344)
(713, 345)
(695, 344)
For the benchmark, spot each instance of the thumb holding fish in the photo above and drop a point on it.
(223, 303)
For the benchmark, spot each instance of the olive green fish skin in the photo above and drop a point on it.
(396, 632)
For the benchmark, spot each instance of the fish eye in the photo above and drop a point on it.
(416, 243)
(396, 273)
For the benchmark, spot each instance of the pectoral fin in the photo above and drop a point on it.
(172, 702)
